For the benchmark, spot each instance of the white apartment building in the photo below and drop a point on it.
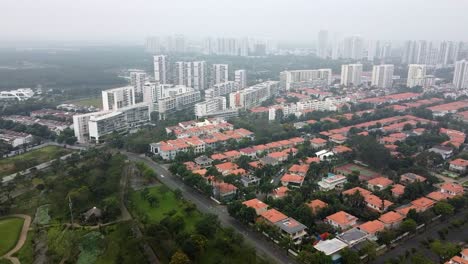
(91, 127)
(351, 74)
(353, 48)
(460, 76)
(138, 80)
(322, 44)
(447, 53)
(331, 182)
(219, 73)
(161, 69)
(221, 89)
(175, 98)
(305, 78)
(240, 77)
(191, 74)
(18, 94)
(382, 76)
(254, 95)
(211, 106)
(416, 75)
(117, 98)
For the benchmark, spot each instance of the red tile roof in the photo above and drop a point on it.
(342, 218)
(372, 227)
(391, 217)
(255, 203)
(380, 181)
(361, 191)
(273, 216)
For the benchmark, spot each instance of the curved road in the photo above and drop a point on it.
(21, 240)
(263, 246)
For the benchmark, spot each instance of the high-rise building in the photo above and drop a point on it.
(447, 53)
(353, 48)
(240, 77)
(171, 98)
(460, 76)
(419, 52)
(322, 44)
(153, 45)
(305, 78)
(221, 89)
(219, 73)
(382, 75)
(416, 75)
(351, 74)
(210, 106)
(254, 95)
(160, 69)
(117, 98)
(137, 80)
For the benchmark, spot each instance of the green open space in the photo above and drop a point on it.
(26, 253)
(30, 159)
(94, 101)
(349, 168)
(10, 229)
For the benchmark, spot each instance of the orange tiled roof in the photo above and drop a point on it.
(398, 189)
(341, 149)
(280, 191)
(404, 210)
(381, 181)
(226, 166)
(459, 162)
(376, 201)
(437, 196)
(362, 191)
(342, 218)
(452, 187)
(318, 141)
(317, 204)
(255, 203)
(372, 227)
(273, 216)
(299, 168)
(423, 202)
(391, 217)
(292, 178)
(312, 160)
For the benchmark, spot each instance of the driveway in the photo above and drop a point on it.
(263, 246)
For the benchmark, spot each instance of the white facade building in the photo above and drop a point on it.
(18, 94)
(219, 73)
(322, 44)
(351, 74)
(174, 98)
(161, 69)
(353, 48)
(305, 78)
(416, 75)
(210, 106)
(117, 98)
(460, 76)
(254, 95)
(221, 89)
(191, 74)
(240, 77)
(382, 75)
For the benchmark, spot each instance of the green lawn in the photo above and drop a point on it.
(26, 253)
(94, 101)
(167, 202)
(29, 159)
(10, 229)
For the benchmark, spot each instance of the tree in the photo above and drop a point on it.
(419, 258)
(445, 250)
(208, 225)
(409, 225)
(443, 208)
(317, 257)
(369, 249)
(349, 257)
(179, 258)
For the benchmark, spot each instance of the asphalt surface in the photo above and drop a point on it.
(263, 246)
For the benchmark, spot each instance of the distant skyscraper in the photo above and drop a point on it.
(219, 73)
(460, 76)
(351, 74)
(117, 98)
(153, 45)
(199, 73)
(416, 75)
(447, 53)
(322, 44)
(160, 69)
(353, 48)
(382, 75)
(137, 80)
(240, 77)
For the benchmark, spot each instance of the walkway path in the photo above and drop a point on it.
(21, 240)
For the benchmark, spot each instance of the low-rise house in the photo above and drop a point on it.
(331, 182)
(316, 205)
(340, 149)
(363, 192)
(331, 247)
(292, 180)
(444, 151)
(318, 143)
(337, 138)
(377, 204)
(224, 191)
(324, 154)
(451, 189)
(272, 216)
(353, 236)
(267, 160)
(279, 156)
(391, 219)
(398, 190)
(341, 220)
(259, 206)
(404, 210)
(463, 259)
(249, 152)
(438, 196)
(458, 165)
(279, 192)
(15, 139)
(292, 228)
(232, 155)
(299, 169)
(249, 180)
(410, 177)
(226, 168)
(219, 156)
(203, 161)
(379, 183)
(422, 204)
(311, 160)
(372, 228)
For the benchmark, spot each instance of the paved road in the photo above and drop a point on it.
(21, 240)
(263, 246)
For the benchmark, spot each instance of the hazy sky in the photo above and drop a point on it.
(288, 20)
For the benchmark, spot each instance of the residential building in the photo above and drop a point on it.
(18, 94)
(341, 220)
(444, 151)
(292, 180)
(353, 48)
(305, 79)
(138, 80)
(451, 189)
(331, 247)
(391, 219)
(191, 74)
(458, 165)
(353, 236)
(422, 204)
(322, 44)
(379, 183)
(221, 89)
(219, 73)
(292, 229)
(410, 177)
(351, 74)
(161, 69)
(460, 75)
(372, 228)
(175, 98)
(116, 98)
(210, 107)
(316, 205)
(15, 139)
(331, 182)
(272, 216)
(253, 95)
(447, 53)
(259, 206)
(91, 127)
(240, 77)
(416, 75)
(398, 190)
(382, 75)
(375, 203)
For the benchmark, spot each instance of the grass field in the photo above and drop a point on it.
(94, 101)
(31, 158)
(10, 229)
(167, 203)
(364, 173)
(26, 253)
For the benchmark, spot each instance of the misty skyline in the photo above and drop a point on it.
(130, 22)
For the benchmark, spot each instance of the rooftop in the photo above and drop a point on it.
(342, 218)
(273, 216)
(372, 227)
(391, 217)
